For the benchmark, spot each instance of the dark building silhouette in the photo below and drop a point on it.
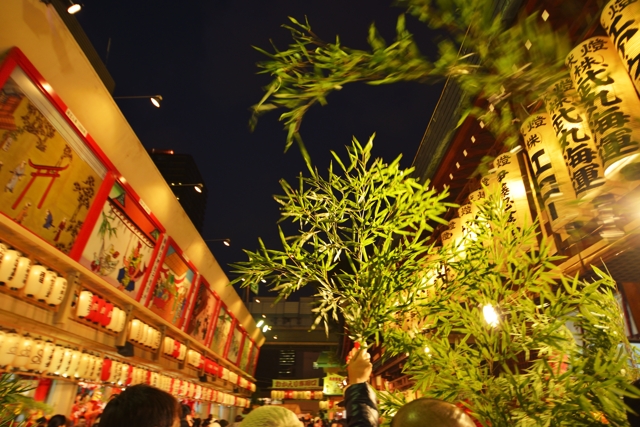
(182, 174)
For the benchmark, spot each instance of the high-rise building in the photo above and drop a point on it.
(182, 174)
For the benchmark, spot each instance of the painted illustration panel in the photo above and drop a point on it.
(121, 243)
(222, 331)
(170, 294)
(253, 363)
(204, 310)
(246, 353)
(48, 176)
(236, 345)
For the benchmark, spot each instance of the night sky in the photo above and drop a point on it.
(197, 54)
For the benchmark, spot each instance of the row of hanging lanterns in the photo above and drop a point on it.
(174, 348)
(18, 273)
(143, 334)
(97, 310)
(296, 395)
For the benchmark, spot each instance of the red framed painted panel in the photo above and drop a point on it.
(254, 361)
(221, 331)
(168, 293)
(246, 353)
(123, 242)
(202, 317)
(234, 348)
(214, 320)
(52, 170)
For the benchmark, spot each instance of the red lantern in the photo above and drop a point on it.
(93, 311)
(176, 349)
(107, 311)
(106, 370)
(288, 394)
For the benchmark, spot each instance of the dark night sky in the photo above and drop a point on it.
(197, 54)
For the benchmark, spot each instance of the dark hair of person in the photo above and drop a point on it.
(141, 406)
(223, 423)
(57, 421)
(238, 418)
(186, 410)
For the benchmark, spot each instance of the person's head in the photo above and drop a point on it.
(271, 416)
(82, 421)
(238, 418)
(57, 421)
(431, 413)
(223, 423)
(143, 406)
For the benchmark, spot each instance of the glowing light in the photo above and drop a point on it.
(155, 100)
(257, 300)
(490, 315)
(197, 188)
(260, 323)
(74, 8)
(265, 328)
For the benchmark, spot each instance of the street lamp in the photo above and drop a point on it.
(155, 99)
(226, 242)
(74, 7)
(197, 186)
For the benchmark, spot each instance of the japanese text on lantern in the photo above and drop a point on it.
(609, 98)
(314, 382)
(573, 134)
(621, 21)
(548, 167)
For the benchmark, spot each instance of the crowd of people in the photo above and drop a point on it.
(146, 406)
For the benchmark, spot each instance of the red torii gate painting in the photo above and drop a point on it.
(52, 172)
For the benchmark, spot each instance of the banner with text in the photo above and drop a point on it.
(333, 385)
(314, 382)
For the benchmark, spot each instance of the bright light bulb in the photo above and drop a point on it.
(260, 323)
(490, 315)
(74, 8)
(427, 350)
(265, 328)
(197, 188)
(155, 102)
(263, 281)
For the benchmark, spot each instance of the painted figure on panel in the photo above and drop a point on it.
(172, 287)
(203, 312)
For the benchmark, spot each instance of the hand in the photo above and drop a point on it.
(359, 365)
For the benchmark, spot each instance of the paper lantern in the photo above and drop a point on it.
(120, 320)
(35, 280)
(47, 355)
(156, 339)
(610, 102)
(176, 349)
(9, 265)
(549, 169)
(84, 366)
(105, 372)
(74, 362)
(9, 347)
(35, 359)
(56, 360)
(19, 276)
(570, 125)
(144, 333)
(168, 345)
(23, 353)
(134, 330)
(45, 290)
(183, 352)
(318, 395)
(56, 295)
(513, 192)
(3, 249)
(621, 21)
(84, 304)
(97, 309)
(114, 373)
(64, 361)
(97, 372)
(107, 312)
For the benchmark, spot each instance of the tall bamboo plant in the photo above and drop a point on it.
(481, 50)
(554, 354)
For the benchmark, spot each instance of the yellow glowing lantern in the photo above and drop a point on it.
(570, 124)
(35, 280)
(19, 276)
(84, 304)
(64, 362)
(512, 189)
(134, 330)
(621, 21)
(23, 353)
(98, 368)
(56, 295)
(549, 169)
(610, 101)
(9, 264)
(9, 347)
(49, 282)
(72, 368)
(47, 354)
(35, 360)
(56, 359)
(83, 367)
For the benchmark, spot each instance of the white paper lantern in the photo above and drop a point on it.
(116, 370)
(134, 330)
(9, 348)
(84, 304)
(9, 265)
(168, 345)
(72, 369)
(513, 191)
(35, 280)
(83, 367)
(183, 352)
(47, 355)
(35, 360)
(19, 276)
(23, 353)
(56, 295)
(45, 290)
